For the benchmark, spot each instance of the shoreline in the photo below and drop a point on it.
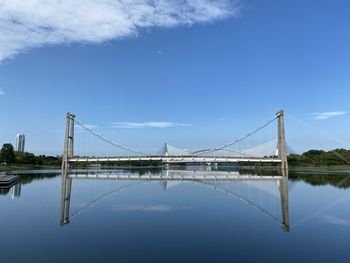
(12, 168)
(291, 169)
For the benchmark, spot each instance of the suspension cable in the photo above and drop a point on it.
(239, 139)
(226, 150)
(82, 125)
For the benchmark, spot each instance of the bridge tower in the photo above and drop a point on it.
(68, 151)
(281, 145)
(165, 150)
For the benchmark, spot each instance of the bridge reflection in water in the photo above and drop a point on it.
(229, 183)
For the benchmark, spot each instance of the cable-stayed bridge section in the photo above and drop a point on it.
(265, 144)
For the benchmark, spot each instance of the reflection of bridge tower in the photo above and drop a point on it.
(283, 187)
(68, 141)
(66, 189)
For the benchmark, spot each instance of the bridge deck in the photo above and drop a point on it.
(175, 177)
(177, 159)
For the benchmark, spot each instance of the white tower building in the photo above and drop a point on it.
(20, 141)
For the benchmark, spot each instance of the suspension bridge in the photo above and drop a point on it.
(264, 144)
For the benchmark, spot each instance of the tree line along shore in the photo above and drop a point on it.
(311, 158)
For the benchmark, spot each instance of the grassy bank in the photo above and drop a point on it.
(331, 167)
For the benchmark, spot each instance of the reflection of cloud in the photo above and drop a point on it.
(336, 220)
(79, 205)
(145, 208)
(328, 115)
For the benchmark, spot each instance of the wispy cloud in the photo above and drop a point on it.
(151, 124)
(336, 220)
(328, 115)
(89, 126)
(36, 23)
(2, 92)
(145, 208)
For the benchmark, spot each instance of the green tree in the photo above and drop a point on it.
(7, 154)
(26, 158)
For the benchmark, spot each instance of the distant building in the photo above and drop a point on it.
(20, 141)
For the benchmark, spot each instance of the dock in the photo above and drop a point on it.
(8, 180)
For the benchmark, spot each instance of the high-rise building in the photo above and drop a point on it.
(20, 141)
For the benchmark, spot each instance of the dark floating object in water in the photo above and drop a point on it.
(8, 180)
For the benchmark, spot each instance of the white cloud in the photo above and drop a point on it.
(2, 92)
(328, 115)
(151, 124)
(36, 23)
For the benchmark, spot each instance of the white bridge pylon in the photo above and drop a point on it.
(258, 146)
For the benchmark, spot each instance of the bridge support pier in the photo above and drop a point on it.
(68, 150)
(281, 145)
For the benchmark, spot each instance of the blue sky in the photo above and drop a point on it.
(193, 78)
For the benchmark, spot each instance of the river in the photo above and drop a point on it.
(190, 214)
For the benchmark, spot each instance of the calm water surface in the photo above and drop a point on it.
(176, 216)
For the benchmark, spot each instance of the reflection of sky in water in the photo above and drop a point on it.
(175, 221)
(333, 220)
(145, 208)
